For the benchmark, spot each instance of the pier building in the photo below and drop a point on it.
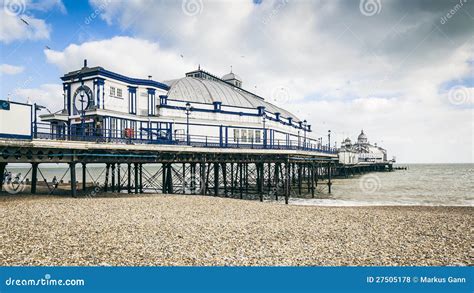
(197, 108)
(362, 156)
(199, 134)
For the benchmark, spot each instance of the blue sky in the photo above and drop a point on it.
(394, 68)
(66, 27)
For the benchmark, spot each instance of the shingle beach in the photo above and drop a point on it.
(158, 230)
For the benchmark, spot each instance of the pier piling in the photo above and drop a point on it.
(34, 177)
(72, 170)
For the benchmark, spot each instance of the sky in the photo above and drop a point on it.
(403, 71)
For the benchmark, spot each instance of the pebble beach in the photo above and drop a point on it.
(162, 230)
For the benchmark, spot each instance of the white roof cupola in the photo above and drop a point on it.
(233, 78)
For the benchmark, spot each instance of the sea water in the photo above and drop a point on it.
(420, 184)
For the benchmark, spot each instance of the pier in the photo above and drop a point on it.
(199, 134)
(245, 173)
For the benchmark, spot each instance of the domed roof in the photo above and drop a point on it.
(362, 137)
(197, 90)
(231, 76)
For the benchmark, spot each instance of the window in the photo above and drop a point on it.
(112, 91)
(119, 93)
(113, 127)
(257, 136)
(250, 135)
(243, 133)
(236, 135)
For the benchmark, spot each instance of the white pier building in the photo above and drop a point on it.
(361, 152)
(198, 109)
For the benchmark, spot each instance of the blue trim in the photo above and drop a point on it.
(226, 135)
(210, 104)
(132, 100)
(217, 106)
(220, 135)
(16, 136)
(106, 73)
(163, 100)
(67, 88)
(151, 102)
(211, 111)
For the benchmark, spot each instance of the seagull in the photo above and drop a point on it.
(181, 55)
(47, 48)
(24, 21)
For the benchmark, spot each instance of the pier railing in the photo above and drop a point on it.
(51, 132)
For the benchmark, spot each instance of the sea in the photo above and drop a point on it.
(419, 184)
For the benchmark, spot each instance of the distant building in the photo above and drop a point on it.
(347, 155)
(361, 151)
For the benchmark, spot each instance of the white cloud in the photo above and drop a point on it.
(129, 56)
(344, 71)
(45, 5)
(12, 28)
(19, 23)
(10, 69)
(49, 95)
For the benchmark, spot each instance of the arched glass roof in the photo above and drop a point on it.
(197, 90)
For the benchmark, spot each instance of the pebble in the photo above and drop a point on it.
(179, 230)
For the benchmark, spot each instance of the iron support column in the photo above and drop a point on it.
(113, 177)
(72, 170)
(216, 179)
(129, 177)
(34, 177)
(136, 178)
(2, 174)
(119, 179)
(141, 176)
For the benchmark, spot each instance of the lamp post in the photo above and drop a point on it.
(37, 108)
(264, 131)
(188, 112)
(304, 130)
(329, 140)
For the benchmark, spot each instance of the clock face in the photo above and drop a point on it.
(82, 98)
